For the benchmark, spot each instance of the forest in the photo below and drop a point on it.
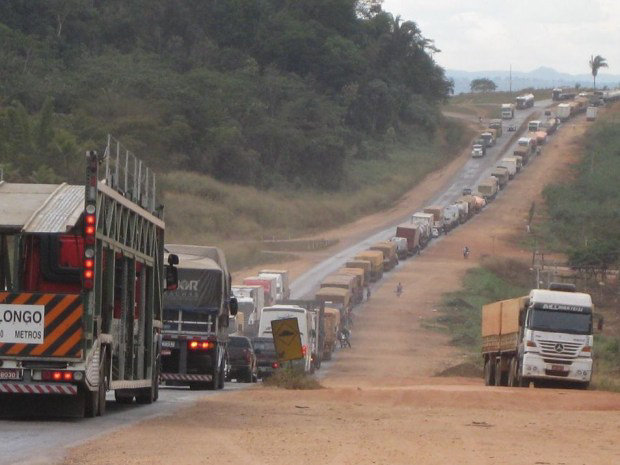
(274, 94)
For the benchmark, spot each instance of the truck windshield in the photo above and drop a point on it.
(560, 322)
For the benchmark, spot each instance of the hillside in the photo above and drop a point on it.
(271, 94)
(287, 100)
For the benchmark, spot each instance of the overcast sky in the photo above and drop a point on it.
(477, 35)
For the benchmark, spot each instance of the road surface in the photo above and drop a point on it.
(36, 441)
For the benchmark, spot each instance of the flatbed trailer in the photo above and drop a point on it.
(81, 288)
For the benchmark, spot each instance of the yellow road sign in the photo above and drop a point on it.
(287, 339)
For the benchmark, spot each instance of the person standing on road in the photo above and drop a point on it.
(399, 289)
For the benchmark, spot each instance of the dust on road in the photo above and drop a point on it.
(382, 403)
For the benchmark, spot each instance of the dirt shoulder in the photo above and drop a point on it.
(381, 402)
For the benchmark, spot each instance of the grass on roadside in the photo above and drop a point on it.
(202, 210)
(292, 378)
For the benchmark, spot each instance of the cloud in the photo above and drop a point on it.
(486, 35)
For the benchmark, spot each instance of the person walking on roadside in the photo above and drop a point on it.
(368, 293)
(465, 252)
(399, 289)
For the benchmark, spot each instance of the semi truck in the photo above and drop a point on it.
(363, 265)
(82, 277)
(411, 233)
(451, 217)
(402, 249)
(564, 111)
(284, 279)
(541, 338)
(425, 221)
(478, 151)
(488, 137)
(345, 281)
(511, 164)
(591, 113)
(390, 257)
(196, 319)
(496, 124)
(438, 219)
(525, 101)
(488, 188)
(375, 257)
(501, 173)
(508, 110)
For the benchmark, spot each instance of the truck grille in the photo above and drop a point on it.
(554, 349)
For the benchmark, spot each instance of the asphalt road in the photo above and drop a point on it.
(33, 441)
(474, 170)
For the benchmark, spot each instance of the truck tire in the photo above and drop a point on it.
(249, 376)
(91, 402)
(501, 377)
(215, 380)
(513, 373)
(221, 377)
(489, 372)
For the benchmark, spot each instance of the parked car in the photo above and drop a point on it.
(241, 360)
(266, 360)
(512, 128)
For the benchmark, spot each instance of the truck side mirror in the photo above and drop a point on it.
(172, 278)
(173, 259)
(233, 305)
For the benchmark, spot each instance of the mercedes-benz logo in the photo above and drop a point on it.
(559, 348)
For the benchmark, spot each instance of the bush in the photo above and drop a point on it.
(292, 378)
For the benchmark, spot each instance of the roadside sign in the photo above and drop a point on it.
(287, 339)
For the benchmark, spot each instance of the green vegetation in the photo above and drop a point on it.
(583, 213)
(292, 378)
(276, 94)
(460, 312)
(482, 85)
(597, 62)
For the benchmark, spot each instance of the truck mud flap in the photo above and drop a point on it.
(185, 377)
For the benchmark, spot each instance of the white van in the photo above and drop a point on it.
(278, 280)
(304, 320)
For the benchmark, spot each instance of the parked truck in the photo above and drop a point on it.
(284, 279)
(451, 217)
(402, 249)
(390, 258)
(196, 319)
(525, 101)
(501, 173)
(438, 220)
(508, 110)
(488, 137)
(496, 124)
(564, 111)
(478, 151)
(511, 164)
(268, 285)
(488, 188)
(81, 296)
(541, 338)
(362, 265)
(411, 233)
(250, 301)
(375, 257)
(425, 221)
(345, 281)
(332, 328)
(591, 113)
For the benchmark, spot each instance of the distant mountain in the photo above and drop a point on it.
(543, 77)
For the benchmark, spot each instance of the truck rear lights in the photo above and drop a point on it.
(201, 345)
(90, 225)
(57, 375)
(88, 272)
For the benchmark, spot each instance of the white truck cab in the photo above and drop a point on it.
(557, 337)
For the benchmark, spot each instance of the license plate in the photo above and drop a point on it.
(557, 367)
(169, 344)
(8, 373)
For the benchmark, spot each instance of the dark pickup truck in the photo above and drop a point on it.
(241, 360)
(266, 360)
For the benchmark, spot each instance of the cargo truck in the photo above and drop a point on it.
(257, 296)
(438, 220)
(284, 279)
(375, 257)
(478, 151)
(268, 285)
(534, 125)
(412, 234)
(390, 258)
(336, 297)
(502, 175)
(82, 276)
(345, 281)
(363, 265)
(331, 319)
(488, 188)
(425, 221)
(402, 249)
(358, 273)
(470, 201)
(591, 113)
(488, 138)
(511, 164)
(451, 217)
(196, 319)
(525, 101)
(508, 111)
(541, 338)
(496, 124)
(564, 111)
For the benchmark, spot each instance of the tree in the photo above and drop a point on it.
(482, 85)
(597, 62)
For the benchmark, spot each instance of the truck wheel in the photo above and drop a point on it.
(221, 377)
(513, 373)
(489, 372)
(498, 371)
(215, 381)
(249, 376)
